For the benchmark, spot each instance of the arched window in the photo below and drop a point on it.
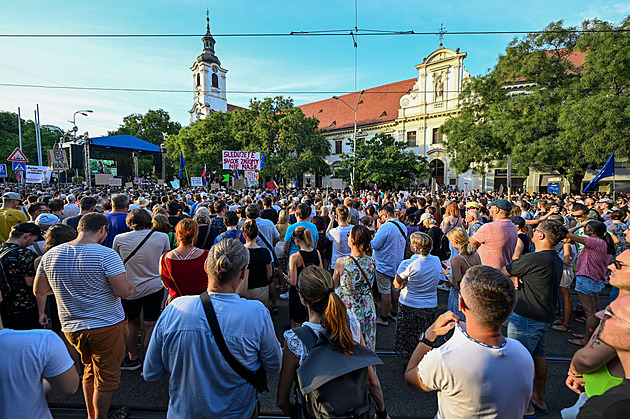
(198, 80)
(215, 80)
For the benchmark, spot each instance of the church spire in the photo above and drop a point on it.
(208, 54)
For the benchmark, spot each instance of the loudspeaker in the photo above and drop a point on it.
(77, 160)
(157, 163)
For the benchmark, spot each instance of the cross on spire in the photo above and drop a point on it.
(208, 20)
(441, 33)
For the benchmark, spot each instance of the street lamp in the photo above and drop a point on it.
(83, 112)
(354, 151)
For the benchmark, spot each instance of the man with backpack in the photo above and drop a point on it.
(389, 250)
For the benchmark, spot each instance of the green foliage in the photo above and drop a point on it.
(570, 119)
(293, 144)
(9, 140)
(154, 126)
(383, 160)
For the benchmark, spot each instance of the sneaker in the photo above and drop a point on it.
(393, 316)
(284, 296)
(131, 365)
(382, 322)
(122, 413)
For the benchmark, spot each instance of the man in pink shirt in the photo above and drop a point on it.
(497, 240)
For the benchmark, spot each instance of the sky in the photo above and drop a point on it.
(258, 67)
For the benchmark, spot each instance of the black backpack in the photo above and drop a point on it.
(445, 248)
(332, 384)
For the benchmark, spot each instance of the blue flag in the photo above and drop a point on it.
(181, 163)
(236, 174)
(607, 171)
(296, 182)
(262, 160)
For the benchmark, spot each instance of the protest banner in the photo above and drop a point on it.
(37, 174)
(58, 160)
(241, 160)
(137, 181)
(196, 181)
(337, 184)
(272, 185)
(115, 181)
(128, 185)
(175, 184)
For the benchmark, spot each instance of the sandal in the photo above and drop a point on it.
(576, 342)
(273, 309)
(561, 328)
(579, 335)
(122, 413)
(557, 322)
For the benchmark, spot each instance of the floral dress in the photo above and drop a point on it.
(356, 293)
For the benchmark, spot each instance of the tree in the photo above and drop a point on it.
(383, 160)
(9, 139)
(569, 119)
(292, 143)
(154, 126)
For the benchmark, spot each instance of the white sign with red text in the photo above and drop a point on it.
(37, 174)
(241, 160)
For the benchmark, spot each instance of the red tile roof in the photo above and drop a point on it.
(232, 108)
(378, 104)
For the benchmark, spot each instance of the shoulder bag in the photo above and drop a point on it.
(259, 378)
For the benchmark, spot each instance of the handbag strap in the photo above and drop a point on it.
(271, 249)
(205, 239)
(172, 278)
(360, 268)
(137, 247)
(211, 316)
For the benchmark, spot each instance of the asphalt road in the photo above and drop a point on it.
(150, 400)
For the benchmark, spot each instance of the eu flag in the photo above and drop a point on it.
(607, 171)
(181, 163)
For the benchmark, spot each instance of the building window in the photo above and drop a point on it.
(215, 81)
(437, 137)
(411, 139)
(338, 146)
(198, 80)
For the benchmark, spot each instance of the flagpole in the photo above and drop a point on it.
(186, 170)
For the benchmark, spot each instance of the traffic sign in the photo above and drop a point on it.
(3, 170)
(17, 155)
(19, 166)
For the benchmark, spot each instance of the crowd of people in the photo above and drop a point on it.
(198, 273)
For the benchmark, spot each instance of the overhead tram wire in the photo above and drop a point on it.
(334, 32)
(251, 92)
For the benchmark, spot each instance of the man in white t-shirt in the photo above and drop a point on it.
(477, 372)
(71, 208)
(35, 368)
(339, 235)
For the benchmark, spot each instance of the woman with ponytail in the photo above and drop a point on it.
(305, 256)
(327, 315)
(467, 256)
(590, 271)
(354, 277)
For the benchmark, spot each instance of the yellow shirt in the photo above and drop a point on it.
(8, 218)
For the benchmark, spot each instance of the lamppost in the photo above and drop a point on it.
(83, 112)
(354, 150)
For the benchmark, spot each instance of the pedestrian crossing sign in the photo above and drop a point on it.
(19, 166)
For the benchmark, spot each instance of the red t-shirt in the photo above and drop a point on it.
(184, 277)
(498, 241)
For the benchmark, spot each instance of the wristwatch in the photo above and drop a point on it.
(426, 341)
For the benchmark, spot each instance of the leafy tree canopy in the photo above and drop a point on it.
(383, 161)
(154, 126)
(569, 114)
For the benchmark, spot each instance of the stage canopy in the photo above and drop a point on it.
(123, 144)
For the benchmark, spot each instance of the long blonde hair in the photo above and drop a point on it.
(459, 236)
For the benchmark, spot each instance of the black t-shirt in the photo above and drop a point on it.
(73, 221)
(270, 214)
(527, 243)
(174, 219)
(540, 273)
(613, 404)
(258, 261)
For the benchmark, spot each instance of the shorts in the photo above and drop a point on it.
(588, 286)
(279, 249)
(152, 304)
(384, 283)
(567, 277)
(102, 351)
(531, 333)
(261, 294)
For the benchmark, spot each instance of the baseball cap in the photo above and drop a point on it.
(501, 204)
(28, 228)
(425, 216)
(12, 195)
(46, 219)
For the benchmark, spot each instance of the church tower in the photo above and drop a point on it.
(208, 80)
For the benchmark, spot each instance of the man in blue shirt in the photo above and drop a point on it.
(389, 250)
(202, 384)
(303, 214)
(117, 218)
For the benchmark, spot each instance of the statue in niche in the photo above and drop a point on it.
(439, 88)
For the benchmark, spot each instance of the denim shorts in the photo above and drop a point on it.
(531, 333)
(588, 286)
